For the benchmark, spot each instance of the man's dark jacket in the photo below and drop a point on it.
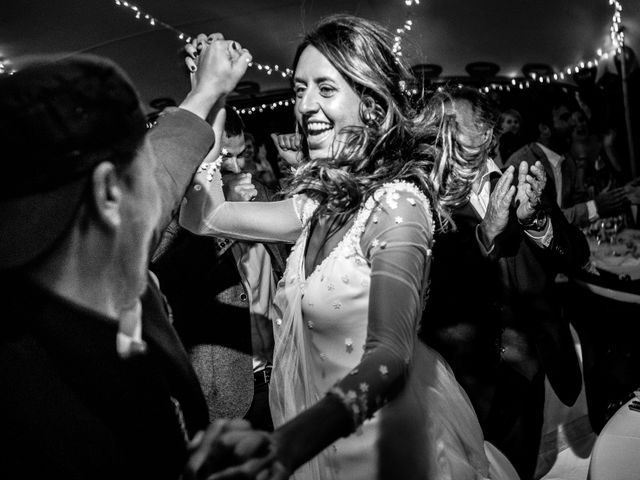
(70, 407)
(475, 298)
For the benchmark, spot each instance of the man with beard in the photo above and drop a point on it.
(554, 139)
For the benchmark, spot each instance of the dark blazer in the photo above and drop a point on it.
(70, 407)
(180, 141)
(474, 298)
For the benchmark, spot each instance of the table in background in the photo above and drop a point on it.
(603, 304)
(616, 455)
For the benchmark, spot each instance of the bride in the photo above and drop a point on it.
(354, 394)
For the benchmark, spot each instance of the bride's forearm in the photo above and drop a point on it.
(313, 430)
(205, 212)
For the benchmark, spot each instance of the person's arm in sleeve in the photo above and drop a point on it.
(180, 141)
(397, 245)
(578, 214)
(181, 138)
(568, 249)
(206, 212)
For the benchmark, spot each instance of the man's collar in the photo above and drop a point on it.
(490, 167)
(552, 156)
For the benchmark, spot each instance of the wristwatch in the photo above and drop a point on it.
(538, 222)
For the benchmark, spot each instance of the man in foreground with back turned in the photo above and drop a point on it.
(94, 381)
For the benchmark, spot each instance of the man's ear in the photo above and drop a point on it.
(107, 194)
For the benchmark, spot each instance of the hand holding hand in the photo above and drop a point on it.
(288, 146)
(216, 64)
(531, 183)
(238, 187)
(229, 449)
(497, 216)
(216, 67)
(277, 471)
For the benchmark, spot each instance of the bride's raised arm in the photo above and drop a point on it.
(206, 212)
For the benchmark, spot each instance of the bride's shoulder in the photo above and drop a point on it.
(396, 212)
(304, 207)
(400, 196)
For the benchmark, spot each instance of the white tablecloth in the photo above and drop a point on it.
(616, 455)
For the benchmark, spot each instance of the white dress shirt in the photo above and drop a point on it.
(129, 338)
(556, 167)
(481, 191)
(259, 282)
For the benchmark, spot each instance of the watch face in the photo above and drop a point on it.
(537, 222)
(540, 219)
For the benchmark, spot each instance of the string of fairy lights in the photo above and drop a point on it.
(616, 33)
(153, 21)
(402, 31)
(265, 106)
(265, 68)
(5, 67)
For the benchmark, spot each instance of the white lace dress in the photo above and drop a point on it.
(349, 330)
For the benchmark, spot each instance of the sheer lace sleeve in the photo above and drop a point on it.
(397, 242)
(205, 212)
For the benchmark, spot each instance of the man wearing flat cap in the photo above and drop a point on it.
(94, 382)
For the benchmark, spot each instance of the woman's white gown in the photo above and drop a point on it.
(416, 423)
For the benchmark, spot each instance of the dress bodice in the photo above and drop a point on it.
(334, 302)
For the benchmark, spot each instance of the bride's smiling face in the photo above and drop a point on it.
(325, 103)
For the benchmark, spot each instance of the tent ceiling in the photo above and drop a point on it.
(450, 33)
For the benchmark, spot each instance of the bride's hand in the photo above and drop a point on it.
(277, 471)
(229, 449)
(216, 65)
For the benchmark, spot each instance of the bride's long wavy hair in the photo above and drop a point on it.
(400, 139)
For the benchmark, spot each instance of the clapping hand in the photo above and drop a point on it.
(531, 183)
(230, 450)
(497, 215)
